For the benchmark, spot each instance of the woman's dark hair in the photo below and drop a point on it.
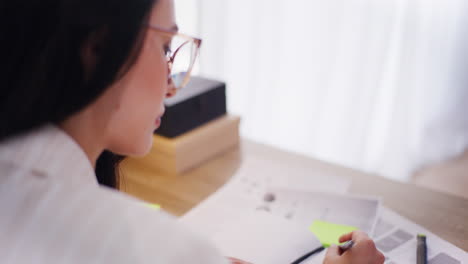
(42, 74)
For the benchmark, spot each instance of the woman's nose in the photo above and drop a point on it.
(171, 89)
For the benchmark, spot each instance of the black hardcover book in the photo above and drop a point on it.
(201, 101)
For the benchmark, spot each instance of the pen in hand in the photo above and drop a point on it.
(346, 245)
(343, 247)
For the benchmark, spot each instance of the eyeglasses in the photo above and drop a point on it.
(181, 55)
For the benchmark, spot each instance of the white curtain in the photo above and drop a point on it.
(370, 84)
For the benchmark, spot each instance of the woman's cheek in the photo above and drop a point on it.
(157, 73)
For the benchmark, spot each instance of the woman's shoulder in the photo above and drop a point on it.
(61, 223)
(156, 232)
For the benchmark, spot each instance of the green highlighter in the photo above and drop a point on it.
(329, 233)
(421, 250)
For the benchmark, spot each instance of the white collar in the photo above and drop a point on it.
(51, 152)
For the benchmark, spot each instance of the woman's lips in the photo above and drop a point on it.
(158, 122)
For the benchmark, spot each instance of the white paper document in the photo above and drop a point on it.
(262, 238)
(257, 238)
(246, 192)
(277, 230)
(306, 207)
(264, 218)
(395, 237)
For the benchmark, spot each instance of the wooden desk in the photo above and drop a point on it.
(443, 214)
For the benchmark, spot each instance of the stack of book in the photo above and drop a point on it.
(184, 152)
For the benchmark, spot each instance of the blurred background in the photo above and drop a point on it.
(375, 85)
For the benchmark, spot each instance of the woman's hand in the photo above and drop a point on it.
(238, 261)
(362, 252)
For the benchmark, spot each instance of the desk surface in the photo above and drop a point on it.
(443, 214)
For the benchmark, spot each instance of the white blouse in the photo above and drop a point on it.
(52, 210)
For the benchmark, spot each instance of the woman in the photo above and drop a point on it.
(83, 79)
